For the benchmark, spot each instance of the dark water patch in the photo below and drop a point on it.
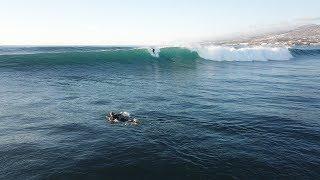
(286, 127)
(300, 99)
(76, 128)
(101, 102)
(75, 78)
(70, 98)
(192, 96)
(184, 105)
(19, 160)
(156, 98)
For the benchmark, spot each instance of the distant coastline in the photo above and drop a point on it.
(307, 35)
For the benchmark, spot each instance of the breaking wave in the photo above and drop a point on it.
(220, 53)
(62, 55)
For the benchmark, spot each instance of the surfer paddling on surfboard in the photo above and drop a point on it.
(121, 117)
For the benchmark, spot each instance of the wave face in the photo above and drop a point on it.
(63, 55)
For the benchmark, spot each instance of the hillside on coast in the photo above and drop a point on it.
(303, 35)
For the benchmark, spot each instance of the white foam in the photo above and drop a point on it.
(259, 53)
(125, 114)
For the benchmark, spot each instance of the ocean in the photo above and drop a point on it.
(205, 112)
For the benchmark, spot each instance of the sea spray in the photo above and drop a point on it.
(259, 53)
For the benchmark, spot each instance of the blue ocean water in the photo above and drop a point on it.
(200, 118)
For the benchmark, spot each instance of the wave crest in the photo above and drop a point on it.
(222, 53)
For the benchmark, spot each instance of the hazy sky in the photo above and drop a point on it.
(53, 22)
